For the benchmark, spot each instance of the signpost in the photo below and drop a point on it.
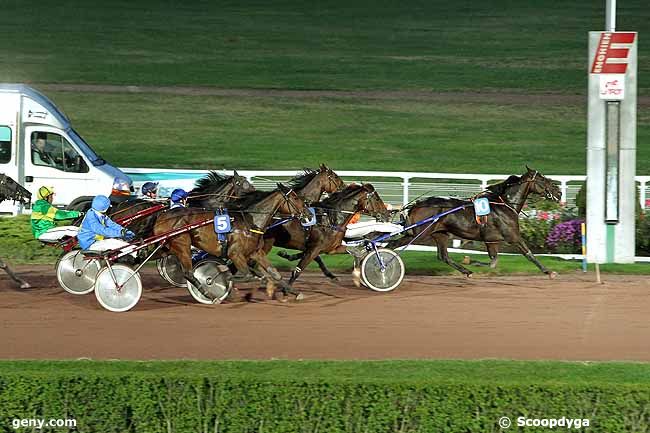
(611, 143)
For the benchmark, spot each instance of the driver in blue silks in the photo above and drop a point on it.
(98, 232)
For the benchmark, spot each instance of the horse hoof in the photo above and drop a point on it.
(356, 277)
(468, 275)
(25, 286)
(552, 275)
(300, 297)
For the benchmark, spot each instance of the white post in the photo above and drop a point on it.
(405, 190)
(610, 16)
(564, 188)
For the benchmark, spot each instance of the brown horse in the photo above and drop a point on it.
(310, 185)
(244, 243)
(333, 216)
(506, 201)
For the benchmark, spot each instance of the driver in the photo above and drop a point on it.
(149, 190)
(98, 232)
(44, 215)
(178, 198)
(40, 154)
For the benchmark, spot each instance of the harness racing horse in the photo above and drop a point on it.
(250, 217)
(10, 190)
(310, 186)
(506, 202)
(333, 216)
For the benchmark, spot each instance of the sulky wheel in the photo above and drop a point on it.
(76, 275)
(119, 294)
(169, 267)
(378, 279)
(215, 278)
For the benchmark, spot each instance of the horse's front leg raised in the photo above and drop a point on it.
(523, 248)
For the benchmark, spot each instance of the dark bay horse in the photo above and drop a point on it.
(250, 216)
(506, 202)
(333, 216)
(310, 186)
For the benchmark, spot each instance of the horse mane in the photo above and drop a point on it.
(302, 179)
(249, 199)
(501, 187)
(212, 181)
(336, 198)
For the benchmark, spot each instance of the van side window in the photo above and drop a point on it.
(5, 144)
(53, 150)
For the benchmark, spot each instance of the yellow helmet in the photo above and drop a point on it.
(44, 192)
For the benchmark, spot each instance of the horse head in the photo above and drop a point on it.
(312, 184)
(241, 185)
(331, 181)
(541, 185)
(293, 205)
(372, 204)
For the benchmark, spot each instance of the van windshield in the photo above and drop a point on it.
(85, 148)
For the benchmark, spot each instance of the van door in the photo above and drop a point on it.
(8, 165)
(52, 160)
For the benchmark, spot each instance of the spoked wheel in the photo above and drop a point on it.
(378, 279)
(214, 275)
(76, 275)
(169, 267)
(119, 294)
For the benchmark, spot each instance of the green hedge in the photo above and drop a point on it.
(416, 396)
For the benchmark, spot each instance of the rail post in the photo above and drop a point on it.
(405, 190)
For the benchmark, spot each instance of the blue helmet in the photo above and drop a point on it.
(101, 203)
(149, 187)
(178, 194)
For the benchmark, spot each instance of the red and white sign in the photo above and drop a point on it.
(612, 87)
(612, 53)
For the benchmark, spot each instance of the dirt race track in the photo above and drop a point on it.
(525, 317)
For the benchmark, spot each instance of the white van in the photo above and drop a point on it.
(39, 147)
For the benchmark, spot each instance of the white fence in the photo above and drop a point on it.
(395, 187)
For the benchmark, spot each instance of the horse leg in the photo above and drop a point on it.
(240, 262)
(23, 284)
(181, 247)
(272, 274)
(523, 248)
(290, 257)
(493, 252)
(324, 269)
(441, 240)
(308, 257)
